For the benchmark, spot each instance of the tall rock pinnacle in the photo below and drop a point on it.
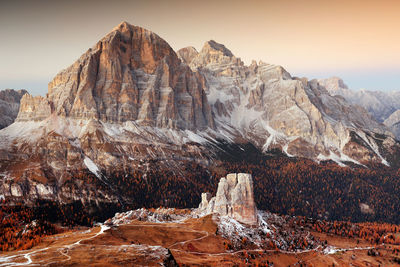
(234, 198)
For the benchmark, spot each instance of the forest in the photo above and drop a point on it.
(283, 185)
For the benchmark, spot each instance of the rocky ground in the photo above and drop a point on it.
(172, 237)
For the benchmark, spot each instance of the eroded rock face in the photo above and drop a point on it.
(133, 79)
(128, 98)
(187, 54)
(381, 105)
(33, 108)
(129, 75)
(9, 105)
(234, 198)
(334, 85)
(393, 122)
(273, 109)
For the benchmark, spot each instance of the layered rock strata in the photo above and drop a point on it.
(234, 198)
(129, 75)
(9, 106)
(268, 106)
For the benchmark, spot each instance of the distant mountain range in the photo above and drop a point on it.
(383, 106)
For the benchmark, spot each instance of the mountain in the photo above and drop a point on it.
(393, 122)
(381, 105)
(130, 105)
(129, 75)
(264, 104)
(9, 105)
(126, 100)
(187, 54)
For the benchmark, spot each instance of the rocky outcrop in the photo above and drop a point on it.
(187, 54)
(334, 85)
(9, 105)
(33, 108)
(212, 53)
(234, 198)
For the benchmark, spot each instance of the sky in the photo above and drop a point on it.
(355, 40)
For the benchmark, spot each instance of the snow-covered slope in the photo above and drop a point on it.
(270, 229)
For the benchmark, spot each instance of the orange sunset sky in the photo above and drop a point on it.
(355, 40)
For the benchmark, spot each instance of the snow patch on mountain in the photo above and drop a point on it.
(29, 131)
(339, 159)
(159, 215)
(373, 146)
(92, 167)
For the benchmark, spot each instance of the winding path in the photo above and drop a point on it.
(11, 260)
(15, 260)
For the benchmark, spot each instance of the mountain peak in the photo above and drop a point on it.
(131, 74)
(187, 54)
(213, 53)
(123, 24)
(125, 27)
(214, 46)
(334, 85)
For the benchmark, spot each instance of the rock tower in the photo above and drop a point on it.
(235, 198)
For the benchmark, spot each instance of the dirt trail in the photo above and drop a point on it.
(15, 260)
(194, 241)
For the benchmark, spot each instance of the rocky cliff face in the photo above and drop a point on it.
(35, 108)
(393, 123)
(334, 85)
(130, 75)
(127, 100)
(9, 106)
(266, 105)
(379, 104)
(187, 54)
(383, 106)
(234, 198)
